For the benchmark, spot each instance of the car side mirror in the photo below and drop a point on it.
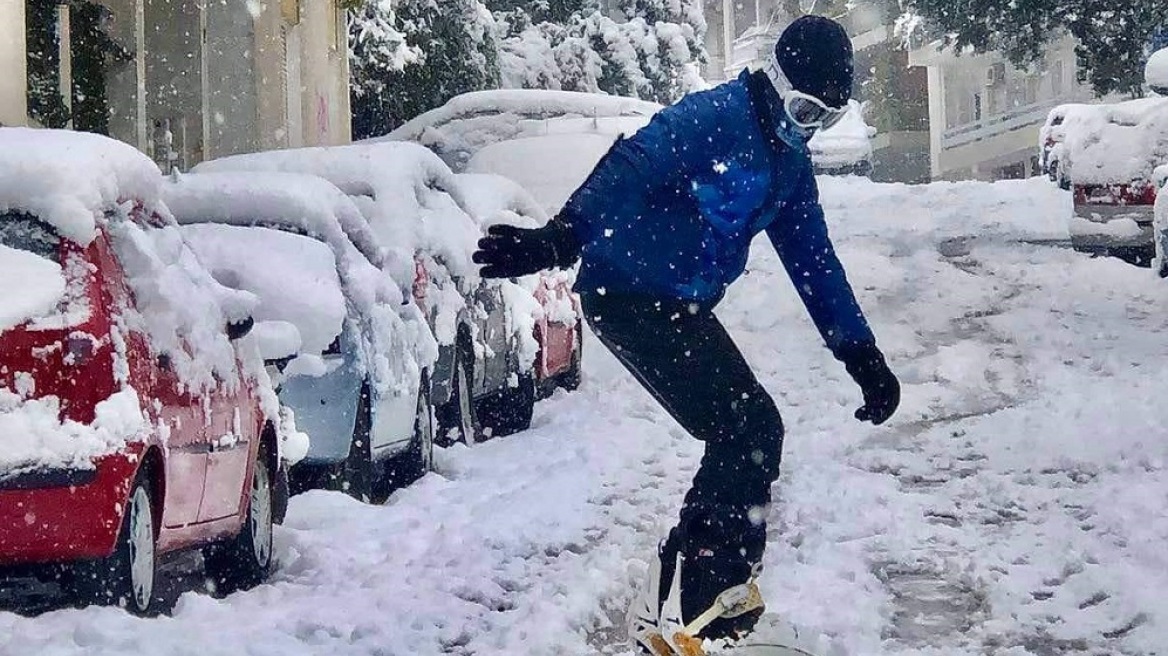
(239, 329)
(280, 364)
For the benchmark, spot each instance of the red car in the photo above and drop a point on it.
(1109, 155)
(136, 414)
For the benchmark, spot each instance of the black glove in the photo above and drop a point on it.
(508, 251)
(865, 364)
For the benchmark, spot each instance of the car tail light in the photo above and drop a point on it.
(1115, 194)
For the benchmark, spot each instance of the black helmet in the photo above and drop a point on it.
(815, 55)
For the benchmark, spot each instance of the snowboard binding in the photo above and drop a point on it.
(665, 633)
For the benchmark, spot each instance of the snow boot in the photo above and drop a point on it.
(701, 585)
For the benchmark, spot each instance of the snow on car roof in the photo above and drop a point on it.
(550, 167)
(66, 178)
(488, 195)
(294, 201)
(530, 103)
(409, 197)
(1116, 143)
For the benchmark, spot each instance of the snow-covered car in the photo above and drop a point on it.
(136, 413)
(558, 319)
(1156, 72)
(484, 383)
(351, 349)
(468, 122)
(1050, 141)
(1109, 155)
(846, 147)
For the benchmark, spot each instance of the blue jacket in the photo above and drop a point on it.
(671, 211)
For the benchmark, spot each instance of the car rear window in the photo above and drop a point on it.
(25, 232)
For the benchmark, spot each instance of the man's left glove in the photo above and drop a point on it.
(865, 364)
(508, 251)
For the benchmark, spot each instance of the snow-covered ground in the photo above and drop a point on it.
(1017, 504)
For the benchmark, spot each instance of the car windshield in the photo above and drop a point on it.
(25, 232)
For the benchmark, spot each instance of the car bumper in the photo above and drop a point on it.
(64, 515)
(1111, 225)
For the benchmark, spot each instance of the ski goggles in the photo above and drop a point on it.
(805, 110)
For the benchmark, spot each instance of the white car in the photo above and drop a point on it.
(549, 141)
(352, 353)
(468, 122)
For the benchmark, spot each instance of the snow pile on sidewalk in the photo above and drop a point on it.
(41, 286)
(35, 438)
(1015, 506)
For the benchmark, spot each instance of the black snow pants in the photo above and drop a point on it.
(681, 353)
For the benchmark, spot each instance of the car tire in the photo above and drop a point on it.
(356, 473)
(509, 410)
(418, 458)
(128, 577)
(457, 419)
(246, 560)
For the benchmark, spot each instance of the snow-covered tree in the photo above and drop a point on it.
(650, 49)
(1113, 35)
(416, 55)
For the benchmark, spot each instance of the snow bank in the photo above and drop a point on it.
(35, 438)
(41, 286)
(68, 178)
(1006, 210)
(1116, 143)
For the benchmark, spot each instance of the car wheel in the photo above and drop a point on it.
(508, 410)
(356, 473)
(457, 419)
(418, 459)
(246, 560)
(126, 578)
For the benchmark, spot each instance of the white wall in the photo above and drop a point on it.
(13, 80)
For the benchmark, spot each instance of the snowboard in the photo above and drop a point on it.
(774, 636)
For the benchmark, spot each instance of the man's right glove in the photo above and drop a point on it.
(865, 364)
(508, 251)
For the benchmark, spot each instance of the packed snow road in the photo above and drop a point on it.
(1017, 504)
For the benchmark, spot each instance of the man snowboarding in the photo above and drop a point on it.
(662, 226)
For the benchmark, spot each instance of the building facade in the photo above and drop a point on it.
(742, 34)
(187, 80)
(985, 113)
(13, 99)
